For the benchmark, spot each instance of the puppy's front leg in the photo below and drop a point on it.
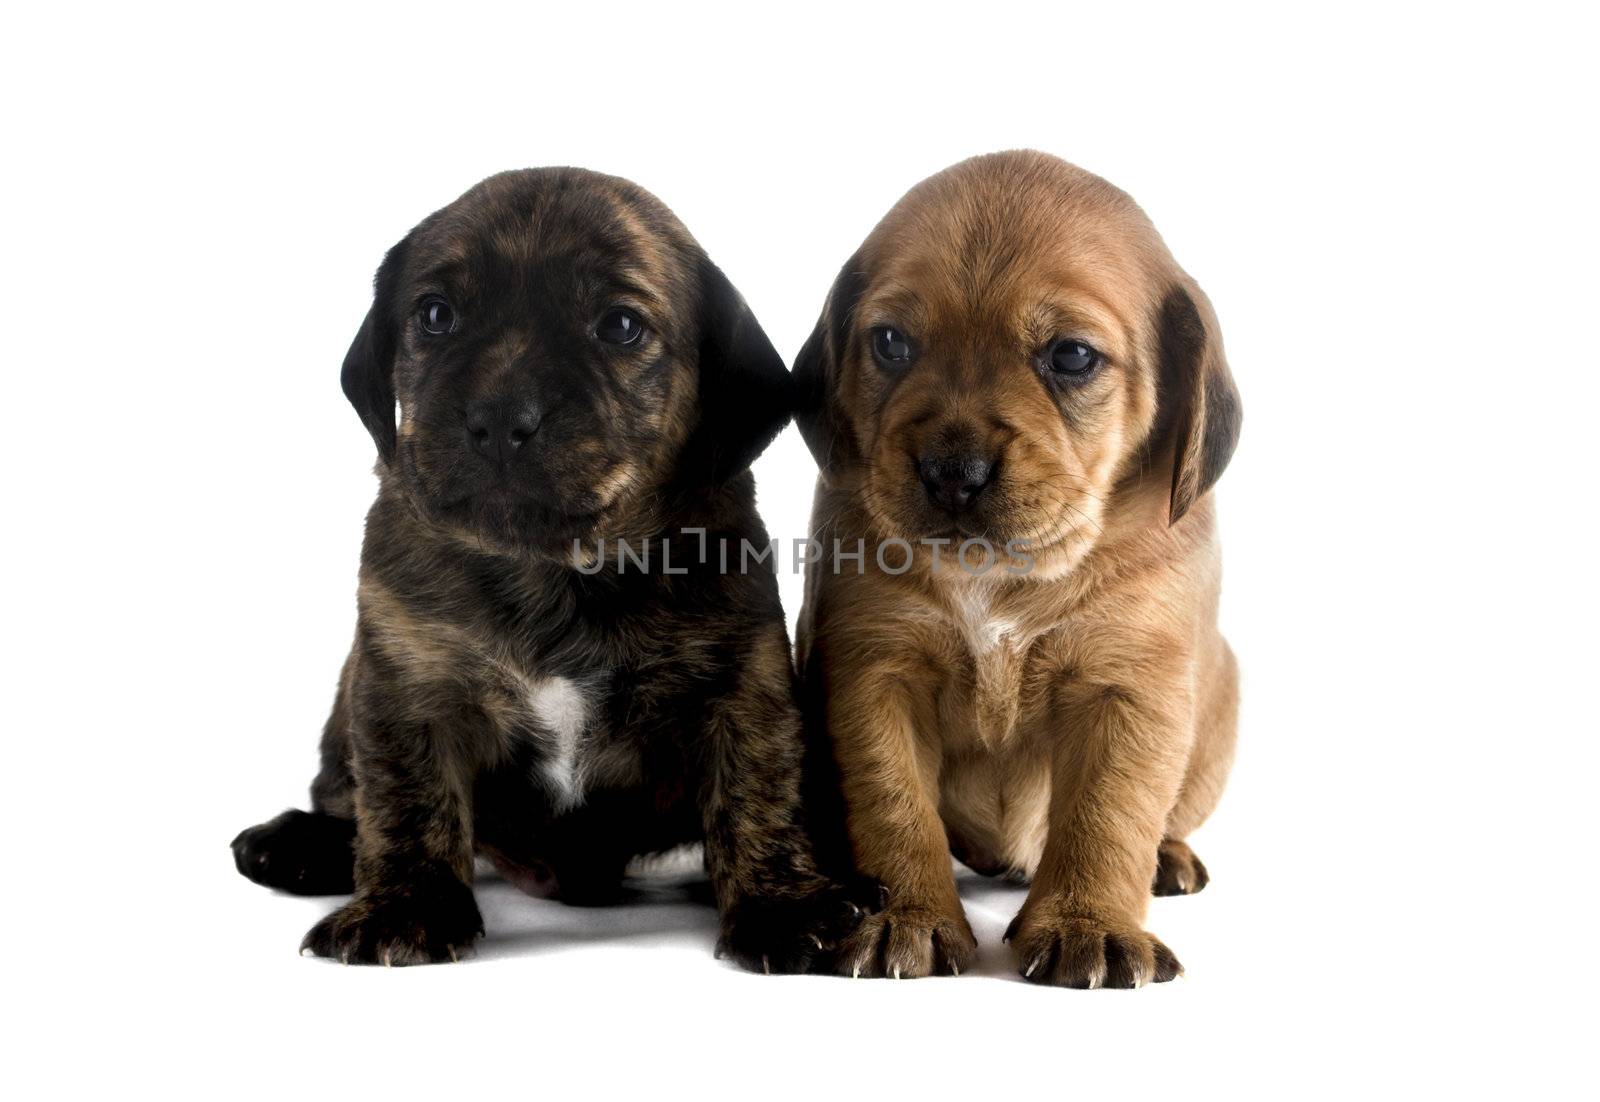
(1115, 772)
(413, 903)
(779, 912)
(891, 784)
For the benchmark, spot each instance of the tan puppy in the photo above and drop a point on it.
(1013, 372)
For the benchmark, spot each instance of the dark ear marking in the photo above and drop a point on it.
(816, 369)
(744, 386)
(1199, 405)
(367, 376)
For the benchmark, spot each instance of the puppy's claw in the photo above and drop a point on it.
(766, 965)
(897, 971)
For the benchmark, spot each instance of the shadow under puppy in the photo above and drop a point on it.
(569, 367)
(1014, 359)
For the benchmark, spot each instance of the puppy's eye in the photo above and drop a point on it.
(1073, 359)
(892, 348)
(436, 316)
(620, 326)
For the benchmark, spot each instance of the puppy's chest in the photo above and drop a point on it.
(559, 725)
(995, 682)
(546, 689)
(1004, 672)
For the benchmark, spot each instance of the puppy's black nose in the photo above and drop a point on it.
(954, 482)
(497, 430)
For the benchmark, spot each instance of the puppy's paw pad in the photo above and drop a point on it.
(777, 934)
(907, 943)
(307, 853)
(1178, 870)
(1086, 952)
(415, 928)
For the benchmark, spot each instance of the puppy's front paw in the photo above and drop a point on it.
(1178, 870)
(789, 935)
(420, 925)
(1086, 951)
(307, 853)
(905, 941)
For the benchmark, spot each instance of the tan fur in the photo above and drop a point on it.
(1056, 724)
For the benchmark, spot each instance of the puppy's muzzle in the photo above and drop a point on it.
(953, 482)
(498, 428)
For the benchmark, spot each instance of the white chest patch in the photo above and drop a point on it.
(561, 708)
(998, 645)
(983, 632)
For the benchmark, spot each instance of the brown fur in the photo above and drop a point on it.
(1068, 723)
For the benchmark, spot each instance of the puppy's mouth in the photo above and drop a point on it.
(551, 493)
(502, 503)
(507, 497)
(916, 520)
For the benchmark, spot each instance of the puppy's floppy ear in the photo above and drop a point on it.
(816, 371)
(368, 373)
(1199, 404)
(744, 387)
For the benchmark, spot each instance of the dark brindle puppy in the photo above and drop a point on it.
(569, 367)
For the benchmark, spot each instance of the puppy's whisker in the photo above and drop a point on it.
(1099, 531)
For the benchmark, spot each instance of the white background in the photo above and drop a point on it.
(1393, 209)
